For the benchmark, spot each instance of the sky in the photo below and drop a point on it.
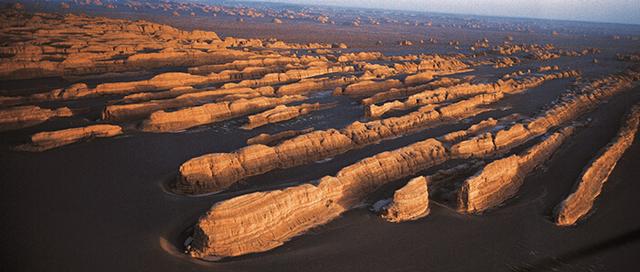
(615, 11)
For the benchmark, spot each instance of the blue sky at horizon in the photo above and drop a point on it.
(614, 11)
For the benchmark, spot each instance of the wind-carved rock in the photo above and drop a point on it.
(202, 174)
(463, 90)
(163, 121)
(409, 203)
(42, 141)
(27, 116)
(274, 217)
(283, 113)
(267, 139)
(501, 179)
(589, 186)
(122, 112)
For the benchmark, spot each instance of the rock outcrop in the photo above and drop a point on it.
(42, 141)
(64, 45)
(283, 113)
(26, 116)
(409, 203)
(273, 217)
(267, 139)
(501, 179)
(463, 90)
(131, 111)
(314, 84)
(589, 186)
(163, 121)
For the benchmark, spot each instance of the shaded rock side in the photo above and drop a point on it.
(589, 186)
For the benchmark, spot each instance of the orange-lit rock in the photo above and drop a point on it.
(163, 121)
(26, 116)
(42, 141)
(409, 203)
(589, 186)
(282, 113)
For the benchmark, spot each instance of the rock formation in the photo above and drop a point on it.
(120, 112)
(163, 121)
(26, 116)
(409, 203)
(589, 186)
(276, 216)
(501, 179)
(42, 141)
(463, 90)
(266, 139)
(283, 113)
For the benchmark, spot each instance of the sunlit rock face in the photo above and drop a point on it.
(589, 186)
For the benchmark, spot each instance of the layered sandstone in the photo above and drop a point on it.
(201, 175)
(409, 203)
(42, 141)
(283, 113)
(121, 112)
(277, 216)
(397, 93)
(463, 90)
(163, 121)
(501, 179)
(589, 186)
(44, 45)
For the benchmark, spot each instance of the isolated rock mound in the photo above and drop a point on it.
(409, 203)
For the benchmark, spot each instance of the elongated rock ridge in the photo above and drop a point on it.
(276, 216)
(42, 141)
(589, 186)
(409, 203)
(163, 121)
(501, 179)
(131, 111)
(269, 139)
(283, 113)
(210, 173)
(27, 116)
(200, 175)
(261, 221)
